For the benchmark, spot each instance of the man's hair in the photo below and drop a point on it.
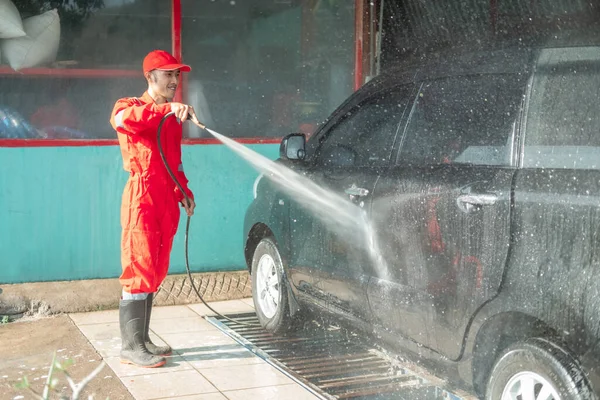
(153, 74)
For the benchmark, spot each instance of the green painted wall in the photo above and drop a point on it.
(60, 206)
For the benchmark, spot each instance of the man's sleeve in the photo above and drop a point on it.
(130, 118)
(183, 180)
(180, 174)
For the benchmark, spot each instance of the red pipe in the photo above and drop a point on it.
(176, 28)
(176, 41)
(57, 142)
(113, 142)
(358, 43)
(67, 72)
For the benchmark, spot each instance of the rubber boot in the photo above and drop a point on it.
(152, 348)
(132, 319)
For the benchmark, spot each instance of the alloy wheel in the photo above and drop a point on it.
(529, 386)
(268, 285)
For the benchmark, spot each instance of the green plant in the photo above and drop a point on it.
(52, 381)
(5, 319)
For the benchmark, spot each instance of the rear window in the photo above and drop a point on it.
(563, 122)
(464, 120)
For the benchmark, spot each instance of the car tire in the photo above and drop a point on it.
(269, 288)
(537, 365)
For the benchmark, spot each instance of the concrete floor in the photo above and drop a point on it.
(206, 363)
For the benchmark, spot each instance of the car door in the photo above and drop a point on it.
(329, 259)
(444, 209)
(554, 265)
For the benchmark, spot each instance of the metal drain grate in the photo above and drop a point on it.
(331, 362)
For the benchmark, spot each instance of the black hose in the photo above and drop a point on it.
(187, 225)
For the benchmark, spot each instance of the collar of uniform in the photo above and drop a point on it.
(146, 98)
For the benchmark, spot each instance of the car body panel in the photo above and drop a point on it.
(445, 262)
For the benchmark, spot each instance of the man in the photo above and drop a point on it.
(149, 210)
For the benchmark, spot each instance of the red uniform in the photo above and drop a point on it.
(149, 210)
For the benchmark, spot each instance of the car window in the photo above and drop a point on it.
(563, 122)
(463, 120)
(365, 135)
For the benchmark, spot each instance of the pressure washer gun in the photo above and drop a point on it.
(196, 122)
(190, 117)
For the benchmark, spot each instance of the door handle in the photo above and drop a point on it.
(356, 191)
(483, 199)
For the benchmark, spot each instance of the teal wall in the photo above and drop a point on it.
(60, 206)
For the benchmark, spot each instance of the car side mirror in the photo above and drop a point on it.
(293, 147)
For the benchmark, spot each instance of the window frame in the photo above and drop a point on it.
(360, 72)
(91, 73)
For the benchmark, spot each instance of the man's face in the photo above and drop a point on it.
(164, 83)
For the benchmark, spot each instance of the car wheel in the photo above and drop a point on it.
(269, 288)
(537, 369)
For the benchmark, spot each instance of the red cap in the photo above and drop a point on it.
(160, 59)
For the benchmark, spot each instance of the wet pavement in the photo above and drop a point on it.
(213, 359)
(206, 364)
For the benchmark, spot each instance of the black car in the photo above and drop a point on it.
(479, 178)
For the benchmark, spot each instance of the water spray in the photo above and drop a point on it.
(348, 219)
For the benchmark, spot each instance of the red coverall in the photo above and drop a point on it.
(149, 210)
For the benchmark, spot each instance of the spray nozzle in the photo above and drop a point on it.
(196, 122)
(189, 117)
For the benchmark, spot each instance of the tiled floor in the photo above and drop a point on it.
(206, 363)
